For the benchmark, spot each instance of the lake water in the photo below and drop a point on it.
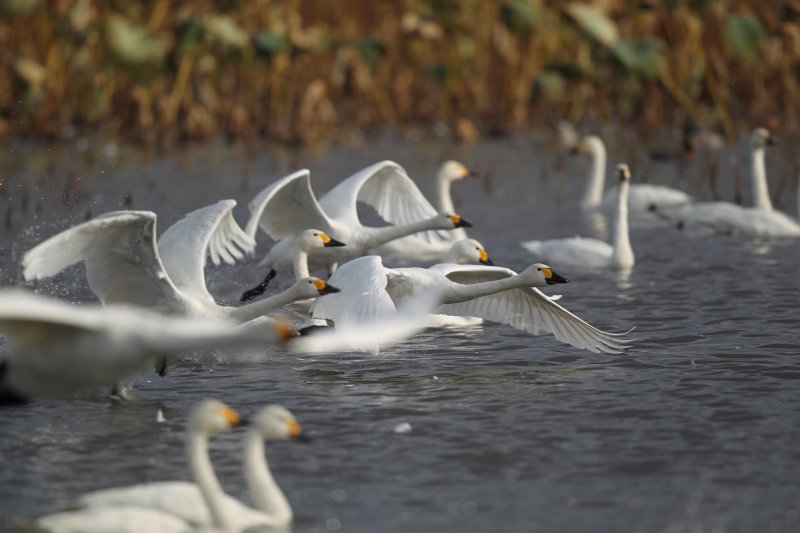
(695, 429)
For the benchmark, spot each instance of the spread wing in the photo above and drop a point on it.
(387, 188)
(286, 208)
(363, 295)
(208, 231)
(122, 261)
(526, 309)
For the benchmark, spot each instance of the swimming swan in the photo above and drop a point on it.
(579, 251)
(56, 348)
(288, 206)
(498, 294)
(186, 500)
(208, 418)
(125, 265)
(642, 197)
(729, 218)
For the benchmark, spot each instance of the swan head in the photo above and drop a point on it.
(454, 171)
(312, 287)
(451, 220)
(468, 251)
(761, 137)
(541, 275)
(591, 145)
(275, 422)
(623, 173)
(210, 417)
(314, 239)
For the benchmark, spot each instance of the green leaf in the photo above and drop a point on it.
(371, 50)
(520, 16)
(640, 56)
(191, 35)
(225, 30)
(16, 7)
(744, 33)
(549, 83)
(133, 44)
(269, 42)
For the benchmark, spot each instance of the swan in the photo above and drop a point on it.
(288, 206)
(579, 251)
(435, 245)
(728, 218)
(125, 265)
(186, 500)
(56, 348)
(207, 419)
(642, 197)
(498, 294)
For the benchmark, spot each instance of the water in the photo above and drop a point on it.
(695, 429)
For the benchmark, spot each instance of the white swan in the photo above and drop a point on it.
(431, 247)
(56, 348)
(579, 251)
(186, 500)
(124, 265)
(208, 418)
(289, 206)
(728, 218)
(642, 197)
(498, 294)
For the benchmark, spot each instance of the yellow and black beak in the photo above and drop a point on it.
(459, 222)
(578, 149)
(484, 258)
(771, 140)
(231, 416)
(323, 287)
(296, 432)
(552, 278)
(329, 242)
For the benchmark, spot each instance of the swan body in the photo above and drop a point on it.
(289, 206)
(593, 253)
(125, 265)
(208, 418)
(641, 198)
(761, 220)
(185, 500)
(56, 348)
(498, 294)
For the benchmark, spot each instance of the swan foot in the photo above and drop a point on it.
(315, 328)
(161, 366)
(259, 289)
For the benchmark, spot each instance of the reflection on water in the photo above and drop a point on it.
(693, 430)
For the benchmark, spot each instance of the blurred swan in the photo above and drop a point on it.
(371, 290)
(187, 501)
(56, 348)
(208, 418)
(642, 197)
(291, 253)
(431, 246)
(729, 218)
(124, 265)
(288, 206)
(579, 251)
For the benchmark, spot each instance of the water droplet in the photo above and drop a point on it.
(402, 427)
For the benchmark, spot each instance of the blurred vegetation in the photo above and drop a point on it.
(304, 71)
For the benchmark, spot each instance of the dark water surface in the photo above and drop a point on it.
(696, 429)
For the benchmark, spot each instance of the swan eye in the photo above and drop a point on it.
(539, 269)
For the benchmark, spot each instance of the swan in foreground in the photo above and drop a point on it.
(370, 290)
(288, 207)
(728, 218)
(579, 251)
(186, 500)
(125, 265)
(642, 197)
(207, 419)
(430, 247)
(56, 348)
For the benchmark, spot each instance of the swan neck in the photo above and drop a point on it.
(379, 236)
(593, 194)
(203, 475)
(300, 264)
(458, 293)
(262, 307)
(264, 491)
(445, 200)
(622, 256)
(761, 198)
